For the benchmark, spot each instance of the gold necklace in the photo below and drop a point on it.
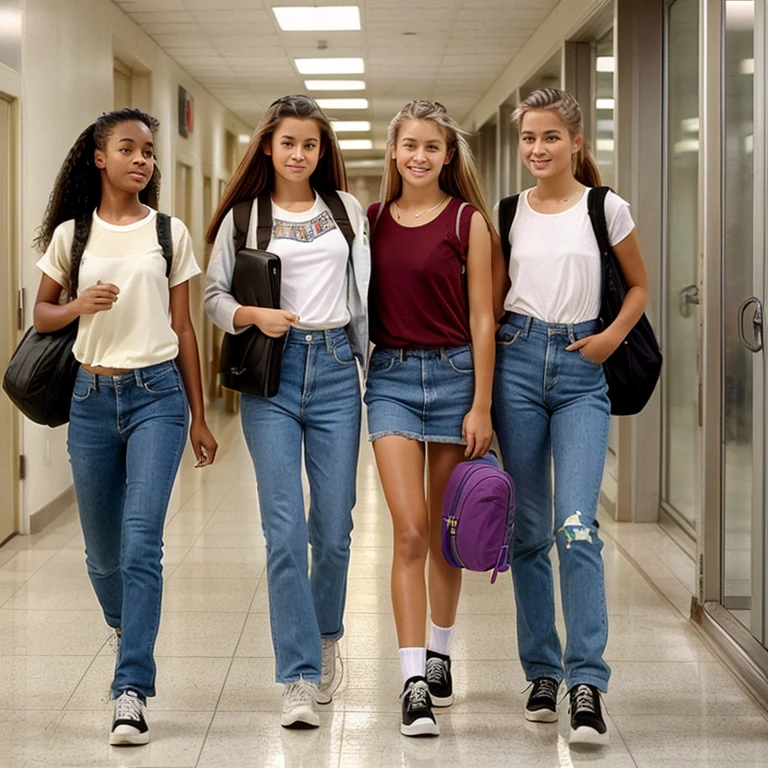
(418, 215)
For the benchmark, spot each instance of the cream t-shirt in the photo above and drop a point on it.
(137, 331)
(554, 268)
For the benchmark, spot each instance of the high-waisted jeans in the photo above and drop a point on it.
(126, 436)
(548, 405)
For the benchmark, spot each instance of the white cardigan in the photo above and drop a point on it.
(220, 305)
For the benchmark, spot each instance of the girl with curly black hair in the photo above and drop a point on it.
(139, 377)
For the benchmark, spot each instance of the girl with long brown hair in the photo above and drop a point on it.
(430, 376)
(551, 405)
(294, 158)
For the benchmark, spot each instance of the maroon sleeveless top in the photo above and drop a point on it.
(418, 296)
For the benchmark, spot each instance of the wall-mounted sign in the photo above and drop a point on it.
(186, 112)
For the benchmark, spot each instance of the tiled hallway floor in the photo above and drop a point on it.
(671, 702)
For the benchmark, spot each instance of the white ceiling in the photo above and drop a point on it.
(447, 50)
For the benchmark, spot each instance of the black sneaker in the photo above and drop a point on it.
(541, 706)
(439, 679)
(418, 718)
(587, 724)
(129, 727)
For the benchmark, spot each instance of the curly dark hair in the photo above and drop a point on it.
(77, 191)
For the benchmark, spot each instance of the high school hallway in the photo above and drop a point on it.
(671, 703)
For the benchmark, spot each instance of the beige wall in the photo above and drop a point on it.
(67, 62)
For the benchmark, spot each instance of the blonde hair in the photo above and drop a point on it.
(256, 174)
(583, 164)
(458, 177)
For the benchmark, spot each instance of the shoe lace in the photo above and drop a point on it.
(299, 692)
(129, 708)
(435, 670)
(583, 700)
(544, 686)
(418, 697)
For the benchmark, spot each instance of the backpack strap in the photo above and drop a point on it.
(82, 233)
(596, 209)
(458, 220)
(339, 212)
(163, 226)
(241, 217)
(507, 211)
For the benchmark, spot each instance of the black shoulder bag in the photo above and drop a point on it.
(40, 377)
(250, 361)
(634, 368)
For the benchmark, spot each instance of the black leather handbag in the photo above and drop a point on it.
(250, 361)
(41, 374)
(633, 370)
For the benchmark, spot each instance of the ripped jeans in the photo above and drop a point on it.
(550, 404)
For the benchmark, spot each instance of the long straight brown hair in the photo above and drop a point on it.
(255, 174)
(583, 164)
(458, 178)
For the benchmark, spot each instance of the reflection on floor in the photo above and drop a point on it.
(671, 701)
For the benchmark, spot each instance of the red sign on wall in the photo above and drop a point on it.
(186, 112)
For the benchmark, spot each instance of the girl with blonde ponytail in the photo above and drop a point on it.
(551, 404)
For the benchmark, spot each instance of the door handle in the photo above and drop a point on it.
(689, 295)
(757, 324)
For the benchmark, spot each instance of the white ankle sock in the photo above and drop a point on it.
(439, 638)
(413, 662)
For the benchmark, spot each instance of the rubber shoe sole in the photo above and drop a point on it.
(441, 701)
(421, 727)
(300, 717)
(127, 736)
(542, 715)
(587, 735)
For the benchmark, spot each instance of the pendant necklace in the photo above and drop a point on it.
(420, 214)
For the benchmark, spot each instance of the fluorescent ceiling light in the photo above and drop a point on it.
(690, 124)
(342, 103)
(244, 138)
(356, 144)
(334, 85)
(364, 164)
(605, 104)
(326, 18)
(747, 67)
(350, 66)
(686, 145)
(606, 64)
(347, 126)
(605, 145)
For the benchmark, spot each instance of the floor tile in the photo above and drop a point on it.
(52, 633)
(39, 682)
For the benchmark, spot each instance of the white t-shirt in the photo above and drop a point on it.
(313, 261)
(137, 331)
(554, 266)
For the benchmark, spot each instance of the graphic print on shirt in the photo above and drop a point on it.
(304, 231)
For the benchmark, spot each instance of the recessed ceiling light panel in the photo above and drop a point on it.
(342, 103)
(328, 18)
(348, 66)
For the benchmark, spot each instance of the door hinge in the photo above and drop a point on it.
(22, 467)
(20, 310)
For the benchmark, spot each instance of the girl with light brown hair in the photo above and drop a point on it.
(430, 376)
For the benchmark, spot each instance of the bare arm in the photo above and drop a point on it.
(203, 442)
(599, 347)
(50, 316)
(477, 428)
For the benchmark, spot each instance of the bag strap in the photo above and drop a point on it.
(507, 211)
(82, 232)
(458, 220)
(163, 227)
(339, 212)
(596, 209)
(241, 218)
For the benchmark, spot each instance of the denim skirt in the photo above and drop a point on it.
(422, 394)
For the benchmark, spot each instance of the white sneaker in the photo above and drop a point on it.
(129, 726)
(332, 664)
(300, 705)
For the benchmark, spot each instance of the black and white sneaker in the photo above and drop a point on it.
(439, 679)
(587, 724)
(541, 706)
(417, 718)
(129, 727)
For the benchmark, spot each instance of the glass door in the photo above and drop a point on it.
(743, 357)
(681, 459)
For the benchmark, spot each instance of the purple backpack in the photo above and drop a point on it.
(479, 516)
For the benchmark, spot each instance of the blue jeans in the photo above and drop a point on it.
(126, 436)
(318, 403)
(552, 404)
